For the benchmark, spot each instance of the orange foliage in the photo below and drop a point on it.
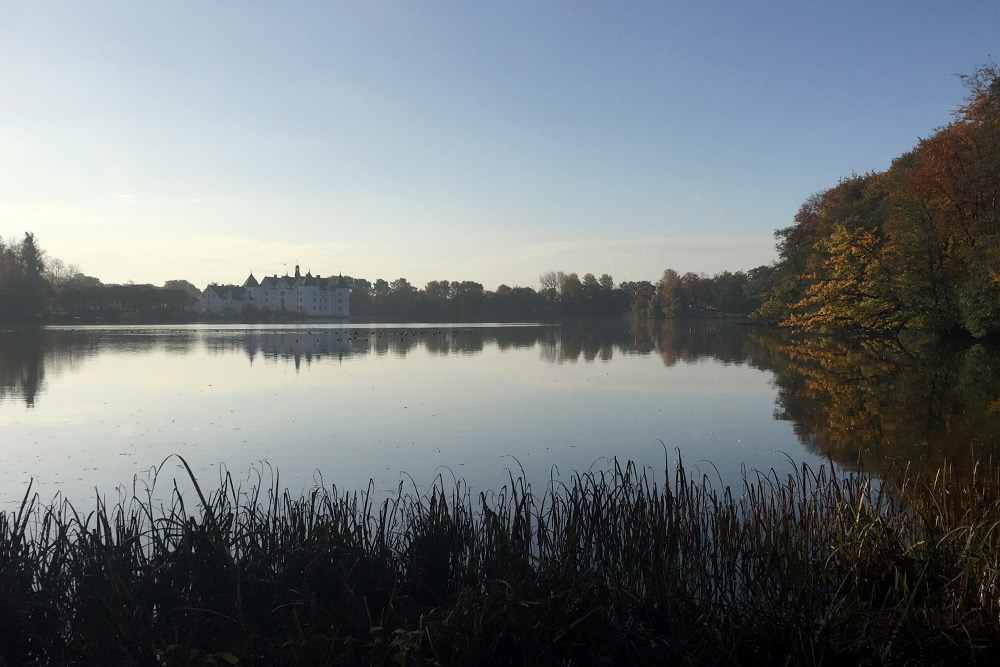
(857, 293)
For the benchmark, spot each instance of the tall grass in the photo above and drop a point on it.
(610, 567)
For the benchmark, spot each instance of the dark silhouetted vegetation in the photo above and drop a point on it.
(561, 296)
(37, 289)
(23, 288)
(84, 299)
(61, 293)
(611, 568)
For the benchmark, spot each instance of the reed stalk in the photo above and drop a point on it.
(812, 567)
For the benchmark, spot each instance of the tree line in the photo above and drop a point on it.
(561, 295)
(83, 298)
(916, 246)
(36, 288)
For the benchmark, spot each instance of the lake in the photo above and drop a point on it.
(95, 409)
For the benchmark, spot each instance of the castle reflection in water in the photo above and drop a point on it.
(860, 403)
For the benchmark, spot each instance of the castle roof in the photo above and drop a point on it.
(291, 282)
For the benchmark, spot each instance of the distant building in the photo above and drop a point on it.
(306, 295)
(222, 300)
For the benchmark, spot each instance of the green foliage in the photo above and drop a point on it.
(776, 293)
(979, 295)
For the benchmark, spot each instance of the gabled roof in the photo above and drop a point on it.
(225, 291)
(290, 282)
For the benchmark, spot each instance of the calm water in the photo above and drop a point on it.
(92, 409)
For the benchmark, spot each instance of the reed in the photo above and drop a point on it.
(805, 568)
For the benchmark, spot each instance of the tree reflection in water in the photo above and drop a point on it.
(877, 402)
(22, 368)
(860, 403)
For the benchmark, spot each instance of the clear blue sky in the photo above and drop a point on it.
(488, 141)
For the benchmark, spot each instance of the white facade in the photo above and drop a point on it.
(308, 295)
(221, 300)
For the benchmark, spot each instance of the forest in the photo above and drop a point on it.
(916, 246)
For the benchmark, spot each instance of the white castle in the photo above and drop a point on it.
(306, 295)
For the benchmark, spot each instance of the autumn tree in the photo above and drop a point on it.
(857, 291)
(917, 245)
(669, 297)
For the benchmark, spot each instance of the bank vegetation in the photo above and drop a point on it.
(621, 566)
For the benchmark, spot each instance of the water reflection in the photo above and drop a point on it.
(861, 404)
(875, 402)
(301, 345)
(22, 369)
(583, 341)
(29, 357)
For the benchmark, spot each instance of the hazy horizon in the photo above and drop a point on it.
(156, 141)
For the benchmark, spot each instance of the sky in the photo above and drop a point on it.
(487, 141)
